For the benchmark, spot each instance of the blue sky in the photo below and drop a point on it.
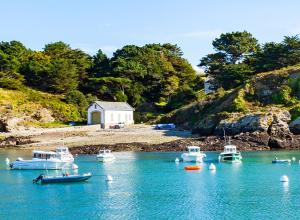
(111, 24)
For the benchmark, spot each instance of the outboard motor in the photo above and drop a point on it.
(38, 178)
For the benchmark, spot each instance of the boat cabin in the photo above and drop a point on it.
(62, 150)
(229, 149)
(193, 149)
(43, 155)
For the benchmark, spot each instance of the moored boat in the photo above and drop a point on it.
(192, 167)
(193, 155)
(65, 178)
(43, 160)
(64, 154)
(230, 154)
(276, 160)
(105, 156)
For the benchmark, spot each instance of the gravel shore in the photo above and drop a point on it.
(78, 136)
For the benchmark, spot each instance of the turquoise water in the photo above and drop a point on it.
(152, 186)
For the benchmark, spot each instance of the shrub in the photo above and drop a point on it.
(11, 80)
(239, 103)
(78, 99)
(295, 112)
(283, 96)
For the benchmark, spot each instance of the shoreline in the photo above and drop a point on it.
(138, 138)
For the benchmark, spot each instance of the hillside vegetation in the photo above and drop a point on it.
(33, 108)
(59, 82)
(266, 93)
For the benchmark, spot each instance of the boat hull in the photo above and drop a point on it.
(65, 179)
(192, 158)
(192, 167)
(231, 158)
(105, 158)
(39, 165)
(281, 161)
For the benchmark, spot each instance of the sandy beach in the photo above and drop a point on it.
(93, 135)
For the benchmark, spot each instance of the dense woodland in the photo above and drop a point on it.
(152, 78)
(239, 56)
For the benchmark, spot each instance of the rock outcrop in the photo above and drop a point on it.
(247, 123)
(11, 122)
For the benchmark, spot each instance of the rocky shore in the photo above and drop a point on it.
(251, 132)
(244, 142)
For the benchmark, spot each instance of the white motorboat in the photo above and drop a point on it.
(41, 160)
(64, 154)
(230, 154)
(105, 156)
(193, 155)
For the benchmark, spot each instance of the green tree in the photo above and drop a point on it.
(226, 66)
(276, 55)
(236, 45)
(77, 98)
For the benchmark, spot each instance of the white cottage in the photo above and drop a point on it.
(110, 113)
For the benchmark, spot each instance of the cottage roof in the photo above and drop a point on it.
(115, 106)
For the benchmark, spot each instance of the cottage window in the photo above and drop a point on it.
(126, 117)
(95, 106)
(129, 117)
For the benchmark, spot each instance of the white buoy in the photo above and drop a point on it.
(177, 160)
(212, 167)
(284, 178)
(293, 158)
(7, 161)
(109, 178)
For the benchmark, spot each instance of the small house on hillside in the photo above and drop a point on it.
(110, 113)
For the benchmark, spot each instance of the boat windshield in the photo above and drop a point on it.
(62, 150)
(230, 149)
(42, 156)
(194, 149)
(104, 152)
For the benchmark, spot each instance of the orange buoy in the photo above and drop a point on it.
(192, 167)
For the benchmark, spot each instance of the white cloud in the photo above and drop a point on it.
(202, 34)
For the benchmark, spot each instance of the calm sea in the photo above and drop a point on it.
(152, 186)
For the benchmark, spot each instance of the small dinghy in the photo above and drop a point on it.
(192, 167)
(276, 160)
(65, 178)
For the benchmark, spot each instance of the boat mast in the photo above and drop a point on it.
(224, 134)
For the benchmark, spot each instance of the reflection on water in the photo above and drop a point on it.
(285, 186)
(153, 186)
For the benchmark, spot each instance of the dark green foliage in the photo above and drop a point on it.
(239, 57)
(276, 55)
(236, 45)
(283, 96)
(77, 98)
(58, 69)
(11, 80)
(154, 73)
(226, 65)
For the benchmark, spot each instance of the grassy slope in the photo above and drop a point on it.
(279, 88)
(28, 101)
